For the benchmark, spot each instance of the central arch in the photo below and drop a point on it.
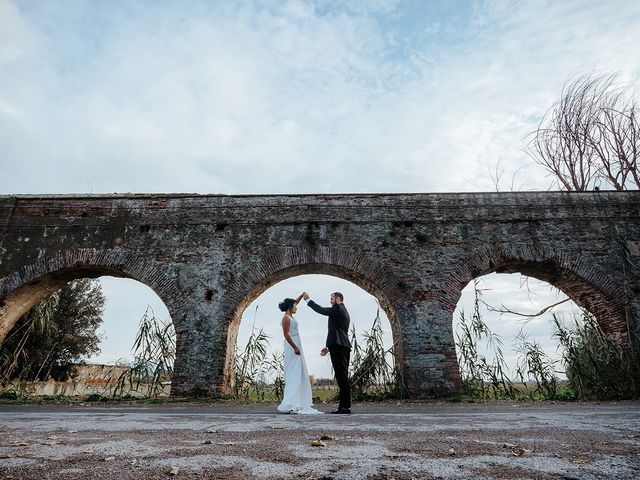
(279, 265)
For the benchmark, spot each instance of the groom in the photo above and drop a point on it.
(338, 345)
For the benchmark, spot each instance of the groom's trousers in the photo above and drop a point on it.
(340, 361)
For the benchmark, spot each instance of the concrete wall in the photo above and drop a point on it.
(208, 257)
(85, 380)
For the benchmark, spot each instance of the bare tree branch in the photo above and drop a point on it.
(527, 316)
(590, 135)
(496, 175)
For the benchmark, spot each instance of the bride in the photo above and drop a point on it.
(297, 388)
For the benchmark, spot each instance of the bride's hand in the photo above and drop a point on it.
(324, 351)
(296, 351)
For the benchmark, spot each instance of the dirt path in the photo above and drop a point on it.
(380, 441)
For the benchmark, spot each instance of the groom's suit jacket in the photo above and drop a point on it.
(338, 333)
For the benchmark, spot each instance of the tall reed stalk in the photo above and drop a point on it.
(482, 376)
(154, 353)
(534, 363)
(596, 366)
(252, 368)
(373, 367)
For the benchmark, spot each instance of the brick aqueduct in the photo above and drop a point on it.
(209, 256)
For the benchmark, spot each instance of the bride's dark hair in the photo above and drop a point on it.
(286, 304)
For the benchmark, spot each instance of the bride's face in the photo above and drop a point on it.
(294, 309)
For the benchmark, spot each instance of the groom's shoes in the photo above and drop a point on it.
(345, 411)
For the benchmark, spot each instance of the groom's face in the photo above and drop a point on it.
(333, 299)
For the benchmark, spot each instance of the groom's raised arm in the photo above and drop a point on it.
(318, 309)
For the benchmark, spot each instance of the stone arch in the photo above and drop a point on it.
(586, 284)
(34, 282)
(271, 269)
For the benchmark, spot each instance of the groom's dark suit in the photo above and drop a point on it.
(339, 346)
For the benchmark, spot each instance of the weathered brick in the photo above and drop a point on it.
(209, 256)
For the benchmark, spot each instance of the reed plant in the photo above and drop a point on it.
(154, 352)
(597, 367)
(276, 367)
(253, 367)
(534, 363)
(484, 374)
(374, 371)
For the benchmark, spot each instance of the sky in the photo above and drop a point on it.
(242, 97)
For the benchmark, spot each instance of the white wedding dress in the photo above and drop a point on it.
(297, 387)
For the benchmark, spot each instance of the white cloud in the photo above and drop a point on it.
(246, 97)
(15, 37)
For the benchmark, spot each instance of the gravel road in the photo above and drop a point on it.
(378, 441)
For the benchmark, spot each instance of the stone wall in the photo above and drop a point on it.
(208, 257)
